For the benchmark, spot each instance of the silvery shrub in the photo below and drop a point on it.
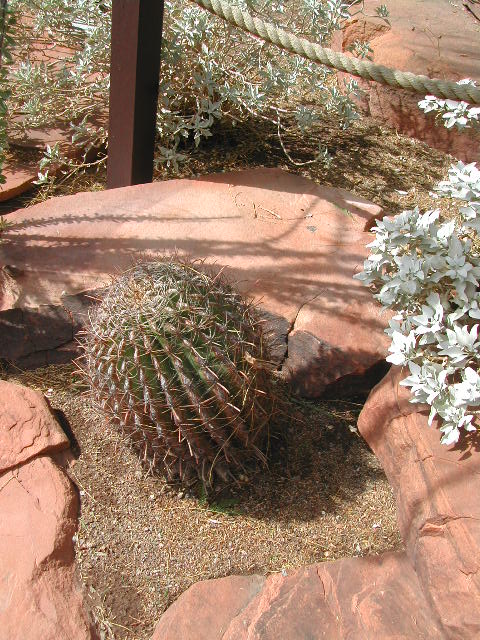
(427, 270)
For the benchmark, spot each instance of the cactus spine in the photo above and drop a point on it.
(174, 356)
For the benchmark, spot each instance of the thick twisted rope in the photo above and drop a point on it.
(361, 68)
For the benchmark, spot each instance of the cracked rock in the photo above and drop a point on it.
(39, 595)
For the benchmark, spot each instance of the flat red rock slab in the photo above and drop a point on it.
(39, 595)
(19, 178)
(438, 507)
(289, 243)
(436, 38)
(361, 598)
(27, 426)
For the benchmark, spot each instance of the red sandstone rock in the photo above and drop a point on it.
(9, 289)
(39, 596)
(27, 426)
(292, 245)
(436, 38)
(437, 491)
(361, 598)
(19, 178)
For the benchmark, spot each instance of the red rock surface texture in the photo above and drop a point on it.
(39, 595)
(436, 38)
(437, 491)
(290, 244)
(361, 598)
(27, 426)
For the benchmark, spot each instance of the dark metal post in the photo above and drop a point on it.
(134, 77)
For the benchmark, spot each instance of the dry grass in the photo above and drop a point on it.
(142, 543)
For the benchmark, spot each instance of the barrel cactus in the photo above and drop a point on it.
(179, 359)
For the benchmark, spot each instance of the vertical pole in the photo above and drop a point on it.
(134, 77)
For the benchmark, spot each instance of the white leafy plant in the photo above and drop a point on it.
(428, 270)
(452, 113)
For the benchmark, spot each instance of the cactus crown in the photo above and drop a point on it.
(174, 355)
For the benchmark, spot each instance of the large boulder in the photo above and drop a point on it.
(437, 491)
(39, 593)
(361, 598)
(423, 38)
(290, 244)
